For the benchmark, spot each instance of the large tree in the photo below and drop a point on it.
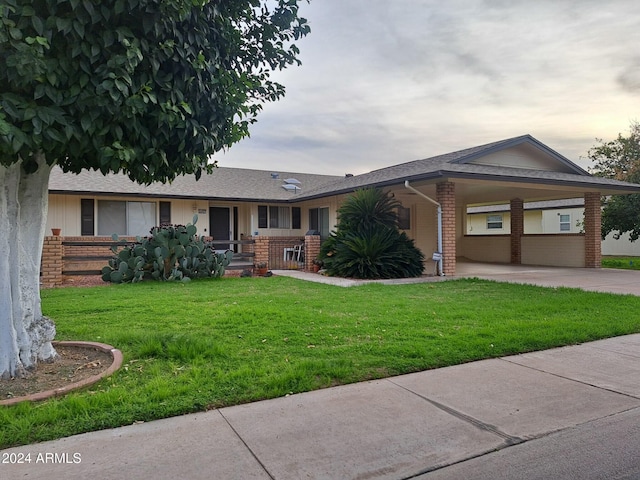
(150, 88)
(620, 159)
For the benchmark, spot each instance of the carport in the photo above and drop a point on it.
(510, 172)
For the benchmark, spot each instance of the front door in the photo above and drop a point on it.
(220, 225)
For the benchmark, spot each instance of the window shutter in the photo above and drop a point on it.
(296, 220)
(165, 213)
(262, 216)
(87, 217)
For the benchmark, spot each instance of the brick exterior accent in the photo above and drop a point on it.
(51, 266)
(517, 230)
(311, 250)
(592, 230)
(261, 250)
(446, 197)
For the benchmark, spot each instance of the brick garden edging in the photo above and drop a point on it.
(116, 355)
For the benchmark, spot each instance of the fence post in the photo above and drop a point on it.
(311, 251)
(261, 250)
(51, 264)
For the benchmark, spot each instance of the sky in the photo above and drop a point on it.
(384, 82)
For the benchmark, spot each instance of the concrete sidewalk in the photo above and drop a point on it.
(572, 412)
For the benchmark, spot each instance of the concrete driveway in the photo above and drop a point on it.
(593, 279)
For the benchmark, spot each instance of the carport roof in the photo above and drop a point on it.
(459, 165)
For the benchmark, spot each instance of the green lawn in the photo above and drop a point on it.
(212, 343)
(628, 263)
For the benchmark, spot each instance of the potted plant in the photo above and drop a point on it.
(316, 265)
(56, 231)
(261, 268)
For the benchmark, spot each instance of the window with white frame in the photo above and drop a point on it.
(494, 222)
(125, 218)
(565, 222)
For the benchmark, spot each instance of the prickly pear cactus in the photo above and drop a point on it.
(169, 253)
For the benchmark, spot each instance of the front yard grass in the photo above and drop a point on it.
(214, 343)
(627, 263)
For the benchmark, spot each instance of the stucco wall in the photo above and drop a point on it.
(551, 220)
(486, 248)
(621, 247)
(553, 250)
(533, 223)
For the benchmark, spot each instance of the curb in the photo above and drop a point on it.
(116, 355)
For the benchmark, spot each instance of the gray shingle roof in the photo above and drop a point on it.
(456, 165)
(223, 183)
(258, 185)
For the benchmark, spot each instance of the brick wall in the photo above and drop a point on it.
(592, 230)
(517, 230)
(446, 197)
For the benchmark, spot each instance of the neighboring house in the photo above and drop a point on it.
(238, 203)
(551, 217)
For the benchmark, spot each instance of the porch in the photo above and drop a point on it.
(67, 258)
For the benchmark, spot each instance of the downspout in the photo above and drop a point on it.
(417, 192)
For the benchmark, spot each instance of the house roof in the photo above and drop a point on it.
(479, 164)
(224, 183)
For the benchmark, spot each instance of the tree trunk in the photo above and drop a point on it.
(25, 334)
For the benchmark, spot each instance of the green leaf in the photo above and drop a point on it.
(38, 24)
(85, 123)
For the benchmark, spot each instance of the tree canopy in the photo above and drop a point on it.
(151, 88)
(620, 159)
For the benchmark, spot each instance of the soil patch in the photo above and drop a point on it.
(74, 364)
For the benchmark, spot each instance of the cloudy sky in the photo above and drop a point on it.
(384, 82)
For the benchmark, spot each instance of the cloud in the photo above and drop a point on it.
(384, 82)
(629, 79)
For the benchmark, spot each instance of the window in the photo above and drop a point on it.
(319, 220)
(565, 222)
(494, 222)
(404, 218)
(87, 215)
(125, 218)
(278, 217)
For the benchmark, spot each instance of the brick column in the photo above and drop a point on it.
(51, 264)
(446, 197)
(261, 250)
(517, 230)
(311, 251)
(592, 230)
